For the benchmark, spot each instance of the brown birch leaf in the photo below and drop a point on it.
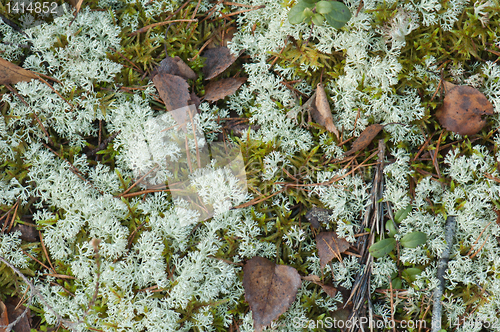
(464, 110)
(322, 113)
(222, 88)
(365, 138)
(270, 289)
(184, 70)
(329, 246)
(12, 74)
(174, 66)
(218, 60)
(194, 100)
(173, 90)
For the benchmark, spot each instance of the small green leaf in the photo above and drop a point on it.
(389, 225)
(413, 239)
(318, 19)
(397, 283)
(308, 12)
(296, 14)
(324, 7)
(382, 248)
(403, 213)
(339, 16)
(411, 273)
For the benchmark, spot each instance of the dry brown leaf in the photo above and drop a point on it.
(24, 323)
(330, 290)
(4, 318)
(12, 74)
(28, 233)
(175, 66)
(218, 60)
(222, 88)
(173, 90)
(322, 113)
(184, 69)
(464, 110)
(365, 138)
(194, 100)
(270, 289)
(329, 246)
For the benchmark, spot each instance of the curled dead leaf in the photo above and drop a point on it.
(12, 74)
(365, 138)
(322, 113)
(464, 110)
(270, 289)
(329, 246)
(218, 60)
(223, 88)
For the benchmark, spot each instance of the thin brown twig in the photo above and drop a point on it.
(57, 93)
(422, 148)
(138, 181)
(227, 3)
(242, 11)
(194, 13)
(281, 51)
(13, 216)
(128, 60)
(434, 156)
(202, 48)
(481, 247)
(256, 201)
(147, 191)
(11, 89)
(35, 259)
(57, 275)
(211, 11)
(34, 291)
(46, 253)
(74, 169)
(6, 221)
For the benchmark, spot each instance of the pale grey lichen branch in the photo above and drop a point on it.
(442, 266)
(34, 292)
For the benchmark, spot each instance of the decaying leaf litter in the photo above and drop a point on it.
(463, 112)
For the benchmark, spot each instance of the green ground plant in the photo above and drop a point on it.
(155, 275)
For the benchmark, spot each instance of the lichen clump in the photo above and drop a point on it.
(155, 270)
